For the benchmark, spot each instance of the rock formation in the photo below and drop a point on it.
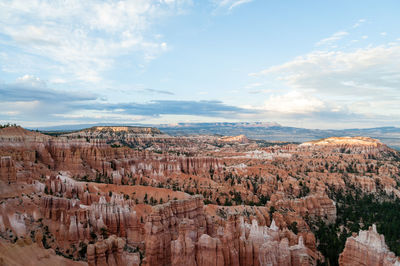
(198, 200)
(238, 139)
(7, 169)
(163, 225)
(107, 252)
(178, 234)
(313, 206)
(367, 248)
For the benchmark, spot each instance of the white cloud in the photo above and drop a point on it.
(83, 38)
(28, 78)
(230, 4)
(91, 115)
(30, 99)
(333, 38)
(253, 85)
(261, 91)
(293, 102)
(58, 80)
(375, 67)
(359, 23)
(31, 80)
(370, 75)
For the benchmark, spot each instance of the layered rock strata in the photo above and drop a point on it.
(178, 233)
(8, 172)
(107, 252)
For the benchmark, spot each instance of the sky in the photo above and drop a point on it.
(306, 63)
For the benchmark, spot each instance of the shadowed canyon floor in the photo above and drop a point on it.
(137, 196)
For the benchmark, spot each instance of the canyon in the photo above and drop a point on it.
(137, 196)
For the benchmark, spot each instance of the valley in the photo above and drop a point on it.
(138, 196)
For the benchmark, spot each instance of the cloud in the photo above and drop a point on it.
(29, 100)
(30, 89)
(159, 91)
(254, 85)
(238, 3)
(364, 81)
(372, 69)
(171, 107)
(81, 39)
(260, 91)
(359, 23)
(333, 38)
(230, 4)
(293, 102)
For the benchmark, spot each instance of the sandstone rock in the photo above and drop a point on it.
(108, 252)
(162, 227)
(314, 206)
(368, 248)
(7, 169)
(294, 179)
(209, 251)
(183, 249)
(39, 238)
(238, 139)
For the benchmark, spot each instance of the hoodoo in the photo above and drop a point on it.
(204, 200)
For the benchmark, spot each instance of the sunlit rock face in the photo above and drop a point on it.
(351, 141)
(347, 144)
(367, 248)
(238, 139)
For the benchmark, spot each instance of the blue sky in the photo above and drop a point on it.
(316, 64)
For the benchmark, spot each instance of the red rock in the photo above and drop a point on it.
(108, 252)
(209, 251)
(294, 179)
(368, 248)
(183, 249)
(7, 169)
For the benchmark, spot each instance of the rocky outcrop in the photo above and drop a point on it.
(354, 145)
(209, 251)
(183, 249)
(108, 252)
(262, 245)
(367, 248)
(178, 233)
(237, 139)
(163, 224)
(313, 206)
(72, 222)
(7, 169)
(145, 138)
(128, 129)
(36, 155)
(353, 141)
